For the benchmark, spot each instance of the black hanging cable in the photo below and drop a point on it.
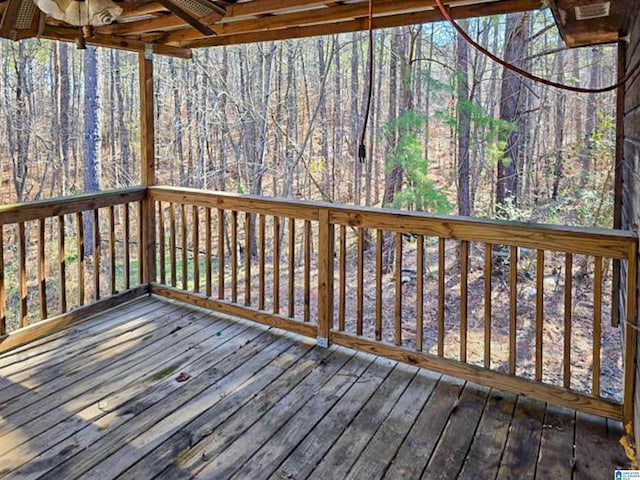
(447, 15)
(362, 149)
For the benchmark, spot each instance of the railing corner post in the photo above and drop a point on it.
(325, 276)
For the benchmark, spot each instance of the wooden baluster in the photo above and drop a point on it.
(141, 258)
(112, 249)
(398, 299)
(172, 245)
(221, 269)
(127, 248)
(597, 325)
(379, 242)
(96, 253)
(81, 258)
(162, 244)
(307, 270)
(207, 252)
(22, 254)
(539, 311)
(3, 297)
(343, 280)
(419, 291)
(464, 274)
(568, 299)
(488, 260)
(292, 266)
(234, 256)
(326, 246)
(196, 248)
(513, 307)
(360, 287)
(261, 257)
(441, 285)
(62, 263)
(630, 335)
(42, 266)
(276, 265)
(247, 258)
(184, 246)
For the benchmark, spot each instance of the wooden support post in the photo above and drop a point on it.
(618, 181)
(325, 276)
(147, 164)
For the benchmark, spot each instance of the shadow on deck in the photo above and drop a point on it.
(159, 389)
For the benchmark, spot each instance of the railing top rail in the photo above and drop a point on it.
(35, 210)
(620, 244)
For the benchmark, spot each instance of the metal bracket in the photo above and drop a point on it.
(322, 342)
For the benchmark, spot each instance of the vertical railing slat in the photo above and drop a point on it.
(3, 298)
(221, 256)
(207, 252)
(513, 307)
(464, 274)
(247, 259)
(568, 299)
(97, 253)
(112, 249)
(379, 242)
(419, 291)
(172, 245)
(360, 282)
(81, 258)
(307, 271)
(342, 285)
(195, 218)
(276, 265)
(42, 266)
(184, 246)
(141, 242)
(62, 265)
(234, 256)
(127, 248)
(261, 260)
(539, 312)
(398, 299)
(22, 255)
(441, 285)
(162, 244)
(488, 260)
(292, 266)
(597, 325)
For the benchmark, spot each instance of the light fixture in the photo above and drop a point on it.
(95, 13)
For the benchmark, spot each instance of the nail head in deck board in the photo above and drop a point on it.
(301, 461)
(380, 451)
(345, 451)
(450, 453)
(415, 451)
(485, 453)
(521, 452)
(273, 381)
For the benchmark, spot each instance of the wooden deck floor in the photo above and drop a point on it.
(155, 389)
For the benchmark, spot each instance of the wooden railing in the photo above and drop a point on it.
(65, 258)
(514, 306)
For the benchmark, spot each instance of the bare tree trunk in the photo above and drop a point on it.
(464, 124)
(91, 137)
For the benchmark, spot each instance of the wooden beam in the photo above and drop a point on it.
(189, 38)
(200, 26)
(66, 34)
(147, 163)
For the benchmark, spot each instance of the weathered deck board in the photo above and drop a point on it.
(102, 400)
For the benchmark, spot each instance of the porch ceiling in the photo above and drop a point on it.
(245, 21)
